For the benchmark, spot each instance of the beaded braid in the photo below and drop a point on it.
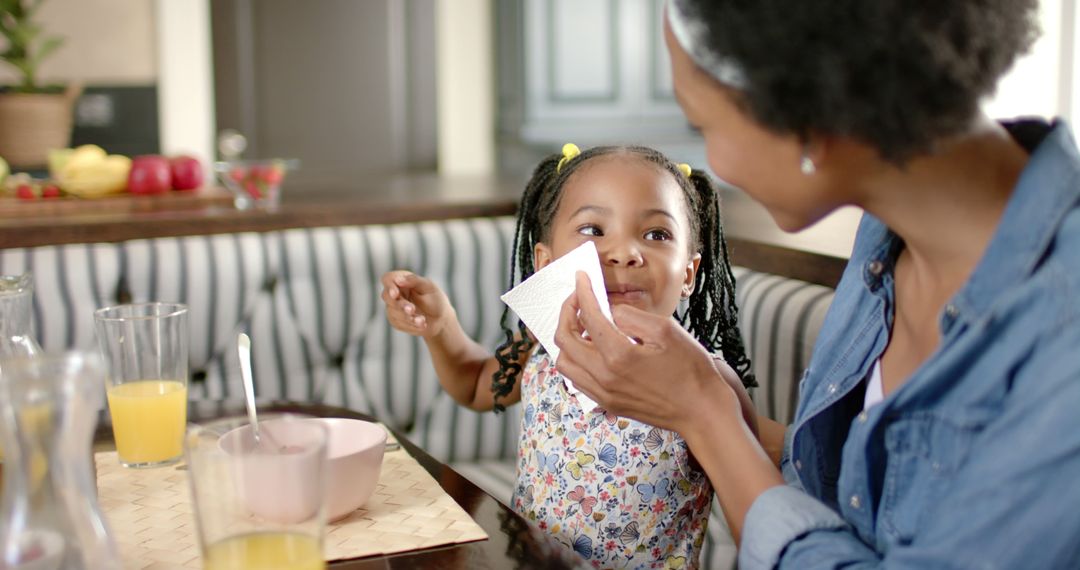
(711, 314)
(715, 286)
(508, 354)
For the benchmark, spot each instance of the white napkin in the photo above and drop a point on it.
(538, 300)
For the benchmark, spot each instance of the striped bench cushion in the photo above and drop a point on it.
(310, 300)
(779, 319)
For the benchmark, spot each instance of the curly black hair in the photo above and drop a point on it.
(895, 74)
(711, 315)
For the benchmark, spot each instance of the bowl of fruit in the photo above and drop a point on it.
(255, 183)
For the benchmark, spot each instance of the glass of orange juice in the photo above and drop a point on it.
(259, 504)
(145, 349)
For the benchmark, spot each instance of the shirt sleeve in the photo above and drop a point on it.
(779, 517)
(1012, 504)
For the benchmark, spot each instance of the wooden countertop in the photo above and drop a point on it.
(399, 199)
(817, 254)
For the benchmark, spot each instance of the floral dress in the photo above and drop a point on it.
(621, 493)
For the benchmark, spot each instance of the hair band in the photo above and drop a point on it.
(692, 35)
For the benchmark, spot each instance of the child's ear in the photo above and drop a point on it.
(691, 273)
(542, 256)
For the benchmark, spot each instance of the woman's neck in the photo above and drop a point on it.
(947, 206)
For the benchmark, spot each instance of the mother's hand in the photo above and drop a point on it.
(664, 379)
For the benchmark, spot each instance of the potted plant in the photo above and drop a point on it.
(34, 118)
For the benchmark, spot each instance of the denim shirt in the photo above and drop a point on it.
(974, 462)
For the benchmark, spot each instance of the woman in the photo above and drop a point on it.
(937, 423)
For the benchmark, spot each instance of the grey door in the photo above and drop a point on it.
(346, 86)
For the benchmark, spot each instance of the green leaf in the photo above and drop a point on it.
(14, 7)
(27, 45)
(48, 45)
(22, 36)
(33, 8)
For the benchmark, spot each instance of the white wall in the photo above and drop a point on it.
(1042, 83)
(106, 42)
(465, 83)
(186, 78)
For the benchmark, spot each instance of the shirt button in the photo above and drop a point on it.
(862, 417)
(855, 502)
(951, 310)
(875, 268)
(832, 388)
(798, 464)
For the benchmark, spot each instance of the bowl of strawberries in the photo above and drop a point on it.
(255, 183)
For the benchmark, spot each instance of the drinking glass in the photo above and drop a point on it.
(145, 349)
(259, 504)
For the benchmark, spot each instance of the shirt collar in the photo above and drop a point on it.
(1048, 188)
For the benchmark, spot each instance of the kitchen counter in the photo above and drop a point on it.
(817, 254)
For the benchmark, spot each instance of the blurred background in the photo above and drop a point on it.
(368, 88)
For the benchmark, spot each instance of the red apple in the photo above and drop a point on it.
(187, 173)
(25, 192)
(150, 174)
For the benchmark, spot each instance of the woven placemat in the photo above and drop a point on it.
(150, 514)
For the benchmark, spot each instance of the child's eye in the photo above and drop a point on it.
(658, 235)
(590, 230)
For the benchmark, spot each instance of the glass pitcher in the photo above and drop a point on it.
(16, 311)
(49, 514)
(16, 306)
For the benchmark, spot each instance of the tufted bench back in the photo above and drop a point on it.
(309, 298)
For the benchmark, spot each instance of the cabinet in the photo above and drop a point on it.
(590, 71)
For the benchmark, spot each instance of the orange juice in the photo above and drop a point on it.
(265, 551)
(148, 418)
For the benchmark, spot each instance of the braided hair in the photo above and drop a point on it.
(710, 315)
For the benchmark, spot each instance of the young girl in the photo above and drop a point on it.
(619, 492)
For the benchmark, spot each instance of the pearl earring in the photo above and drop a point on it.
(807, 166)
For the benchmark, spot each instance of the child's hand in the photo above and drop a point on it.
(414, 304)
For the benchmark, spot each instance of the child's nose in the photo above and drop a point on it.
(622, 254)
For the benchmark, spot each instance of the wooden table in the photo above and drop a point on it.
(513, 542)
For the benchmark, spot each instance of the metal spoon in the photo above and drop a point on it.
(243, 349)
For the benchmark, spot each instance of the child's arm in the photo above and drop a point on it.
(771, 436)
(415, 305)
(746, 405)
(769, 432)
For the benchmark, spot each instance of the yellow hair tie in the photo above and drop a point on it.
(684, 168)
(569, 152)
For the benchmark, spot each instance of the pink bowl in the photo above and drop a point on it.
(354, 457)
(279, 480)
(354, 454)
